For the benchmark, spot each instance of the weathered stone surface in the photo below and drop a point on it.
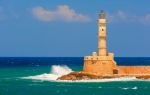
(137, 70)
(88, 76)
(102, 65)
(83, 76)
(78, 76)
(145, 77)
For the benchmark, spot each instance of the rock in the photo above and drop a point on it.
(144, 77)
(82, 76)
(88, 76)
(77, 76)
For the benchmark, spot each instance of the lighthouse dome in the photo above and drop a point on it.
(102, 15)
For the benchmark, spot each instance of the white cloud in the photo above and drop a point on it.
(63, 12)
(43, 14)
(146, 19)
(118, 16)
(121, 16)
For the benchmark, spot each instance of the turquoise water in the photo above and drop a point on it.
(12, 83)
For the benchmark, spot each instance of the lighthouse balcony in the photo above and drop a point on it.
(110, 56)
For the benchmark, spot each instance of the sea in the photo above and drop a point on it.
(38, 76)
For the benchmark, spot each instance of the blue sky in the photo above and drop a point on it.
(69, 27)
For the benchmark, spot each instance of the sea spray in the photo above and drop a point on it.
(60, 70)
(56, 71)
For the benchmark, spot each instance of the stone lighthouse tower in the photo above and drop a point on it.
(101, 63)
(102, 34)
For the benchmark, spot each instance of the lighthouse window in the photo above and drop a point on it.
(115, 71)
(102, 29)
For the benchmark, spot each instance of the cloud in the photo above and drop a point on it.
(146, 19)
(121, 16)
(43, 14)
(118, 16)
(63, 12)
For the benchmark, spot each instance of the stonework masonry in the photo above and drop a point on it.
(103, 63)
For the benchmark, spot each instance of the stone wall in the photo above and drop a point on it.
(133, 70)
(106, 66)
(99, 65)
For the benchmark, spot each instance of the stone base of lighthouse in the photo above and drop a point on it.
(100, 65)
(106, 66)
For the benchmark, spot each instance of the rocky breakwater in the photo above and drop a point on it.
(83, 76)
(88, 76)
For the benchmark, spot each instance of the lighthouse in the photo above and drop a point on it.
(102, 34)
(101, 62)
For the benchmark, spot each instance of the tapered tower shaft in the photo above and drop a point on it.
(102, 49)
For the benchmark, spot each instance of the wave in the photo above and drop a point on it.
(102, 80)
(133, 88)
(58, 70)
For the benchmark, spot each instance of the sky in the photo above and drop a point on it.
(68, 28)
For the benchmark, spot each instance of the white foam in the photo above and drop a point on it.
(102, 80)
(42, 77)
(125, 88)
(58, 70)
(134, 88)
